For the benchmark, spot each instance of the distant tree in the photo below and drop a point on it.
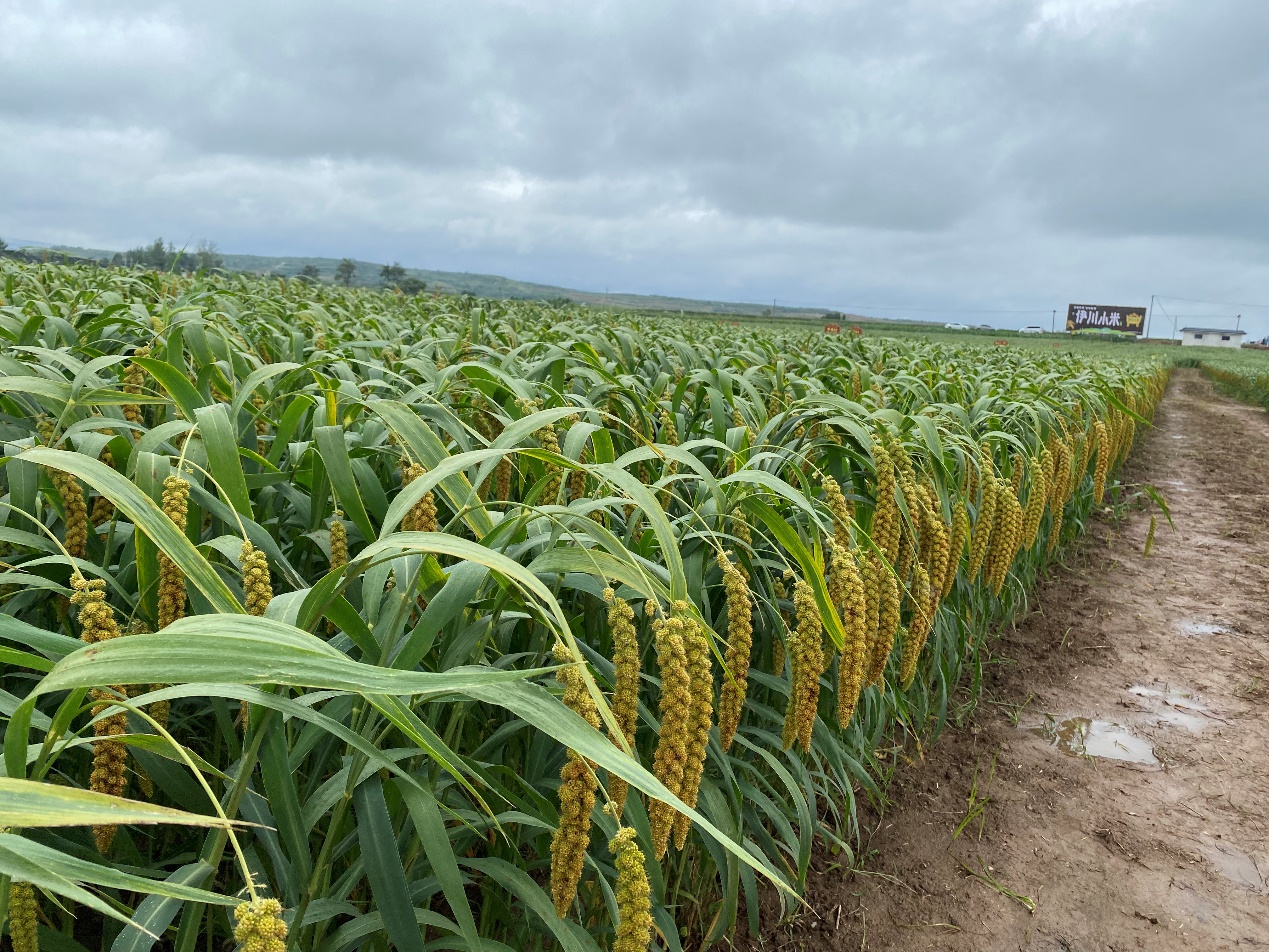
(208, 256)
(346, 271)
(392, 273)
(309, 273)
(4, 245)
(560, 301)
(411, 285)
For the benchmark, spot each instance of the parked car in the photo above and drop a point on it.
(983, 327)
(953, 326)
(1032, 329)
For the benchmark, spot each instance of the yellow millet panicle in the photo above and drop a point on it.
(808, 666)
(103, 509)
(740, 529)
(1149, 537)
(885, 520)
(133, 383)
(422, 515)
(701, 671)
(919, 626)
(956, 545)
(841, 510)
(1033, 514)
(75, 512)
(855, 621)
(675, 714)
(625, 693)
(171, 592)
(1005, 547)
(257, 587)
(259, 926)
(1103, 461)
(984, 526)
(110, 757)
(739, 645)
(634, 894)
(887, 624)
(24, 917)
(577, 793)
(870, 569)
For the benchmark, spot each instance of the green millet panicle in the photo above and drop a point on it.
(24, 917)
(853, 607)
(739, 646)
(700, 670)
(577, 792)
(625, 694)
(675, 715)
(634, 894)
(75, 512)
(807, 648)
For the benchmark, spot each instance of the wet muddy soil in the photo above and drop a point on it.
(1117, 769)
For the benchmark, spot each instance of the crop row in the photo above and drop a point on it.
(449, 623)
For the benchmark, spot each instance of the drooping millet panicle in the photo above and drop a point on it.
(577, 792)
(110, 756)
(700, 670)
(1149, 537)
(1016, 472)
(133, 383)
(885, 519)
(171, 590)
(1103, 461)
(739, 646)
(338, 541)
(634, 894)
(807, 647)
(870, 569)
(956, 546)
(918, 626)
(625, 692)
(74, 513)
(855, 622)
(257, 587)
(841, 510)
(259, 926)
(1005, 547)
(670, 437)
(1033, 513)
(103, 509)
(24, 917)
(984, 525)
(421, 517)
(551, 443)
(887, 623)
(675, 713)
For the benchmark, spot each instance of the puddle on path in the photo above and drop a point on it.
(1200, 629)
(1233, 864)
(1083, 736)
(1172, 706)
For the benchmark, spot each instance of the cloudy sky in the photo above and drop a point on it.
(975, 159)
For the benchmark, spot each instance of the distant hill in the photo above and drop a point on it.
(491, 286)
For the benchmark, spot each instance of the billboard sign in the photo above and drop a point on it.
(1106, 317)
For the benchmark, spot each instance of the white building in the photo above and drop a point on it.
(1211, 337)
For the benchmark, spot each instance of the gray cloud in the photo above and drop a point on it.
(969, 153)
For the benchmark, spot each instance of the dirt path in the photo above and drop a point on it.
(1161, 840)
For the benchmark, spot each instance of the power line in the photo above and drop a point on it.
(1167, 297)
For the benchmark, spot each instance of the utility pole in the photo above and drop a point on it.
(1239, 323)
(1053, 322)
(1148, 315)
